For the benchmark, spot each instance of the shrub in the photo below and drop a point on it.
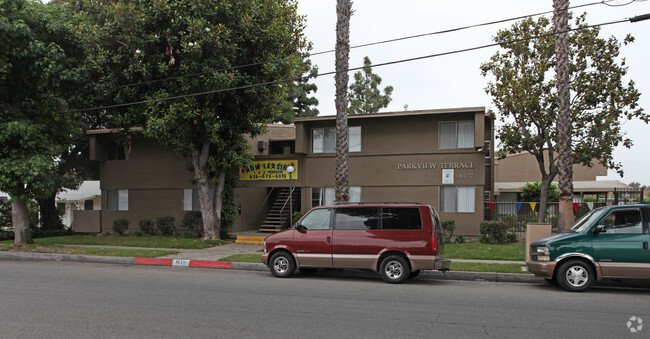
(7, 235)
(493, 232)
(460, 239)
(120, 226)
(147, 227)
(105, 234)
(187, 235)
(166, 225)
(297, 215)
(194, 222)
(448, 226)
(590, 199)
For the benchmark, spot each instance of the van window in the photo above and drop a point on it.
(357, 218)
(401, 218)
(317, 220)
(623, 222)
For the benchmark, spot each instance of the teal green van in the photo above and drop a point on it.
(610, 242)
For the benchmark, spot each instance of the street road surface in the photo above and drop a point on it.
(64, 300)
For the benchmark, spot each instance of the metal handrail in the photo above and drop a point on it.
(288, 199)
(265, 200)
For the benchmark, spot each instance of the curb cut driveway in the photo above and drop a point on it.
(427, 275)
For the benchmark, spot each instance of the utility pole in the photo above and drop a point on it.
(342, 177)
(564, 121)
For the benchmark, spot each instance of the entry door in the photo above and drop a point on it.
(622, 250)
(313, 239)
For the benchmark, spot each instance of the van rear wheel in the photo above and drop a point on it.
(394, 269)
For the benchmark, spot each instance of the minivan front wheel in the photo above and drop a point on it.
(282, 265)
(394, 269)
(575, 276)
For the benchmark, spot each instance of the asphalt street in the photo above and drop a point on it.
(67, 299)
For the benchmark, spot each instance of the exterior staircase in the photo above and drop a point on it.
(277, 217)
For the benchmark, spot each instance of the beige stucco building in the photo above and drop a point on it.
(439, 157)
(516, 170)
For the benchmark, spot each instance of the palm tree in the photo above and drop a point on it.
(342, 177)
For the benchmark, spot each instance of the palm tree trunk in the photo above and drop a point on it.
(342, 177)
(565, 185)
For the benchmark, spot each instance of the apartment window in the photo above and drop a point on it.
(191, 200)
(322, 196)
(457, 199)
(117, 200)
(323, 140)
(456, 134)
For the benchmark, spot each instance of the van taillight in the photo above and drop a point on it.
(434, 245)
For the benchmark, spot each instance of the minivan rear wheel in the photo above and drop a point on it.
(394, 269)
(282, 265)
(575, 276)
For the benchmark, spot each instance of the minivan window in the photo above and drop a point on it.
(318, 219)
(623, 222)
(401, 218)
(586, 221)
(357, 218)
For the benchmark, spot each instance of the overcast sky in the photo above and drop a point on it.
(455, 80)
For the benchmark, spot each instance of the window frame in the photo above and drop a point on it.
(122, 200)
(441, 200)
(321, 147)
(323, 195)
(456, 135)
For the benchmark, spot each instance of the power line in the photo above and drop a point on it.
(275, 82)
(307, 55)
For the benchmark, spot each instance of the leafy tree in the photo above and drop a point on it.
(531, 192)
(41, 69)
(365, 96)
(524, 95)
(169, 50)
(299, 103)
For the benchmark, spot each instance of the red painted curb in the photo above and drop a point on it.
(150, 261)
(211, 264)
(183, 263)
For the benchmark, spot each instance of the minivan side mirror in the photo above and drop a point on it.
(300, 227)
(599, 229)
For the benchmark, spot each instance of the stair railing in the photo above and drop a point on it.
(265, 200)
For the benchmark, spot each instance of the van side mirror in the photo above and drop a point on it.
(599, 229)
(300, 227)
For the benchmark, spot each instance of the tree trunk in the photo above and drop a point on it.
(218, 200)
(206, 200)
(543, 198)
(50, 218)
(565, 161)
(342, 177)
(20, 219)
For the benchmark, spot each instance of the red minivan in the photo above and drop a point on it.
(397, 239)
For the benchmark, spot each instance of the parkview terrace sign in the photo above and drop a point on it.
(431, 165)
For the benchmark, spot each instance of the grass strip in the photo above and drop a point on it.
(116, 252)
(516, 251)
(492, 268)
(99, 251)
(255, 258)
(129, 241)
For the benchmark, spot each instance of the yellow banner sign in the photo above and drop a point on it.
(269, 170)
